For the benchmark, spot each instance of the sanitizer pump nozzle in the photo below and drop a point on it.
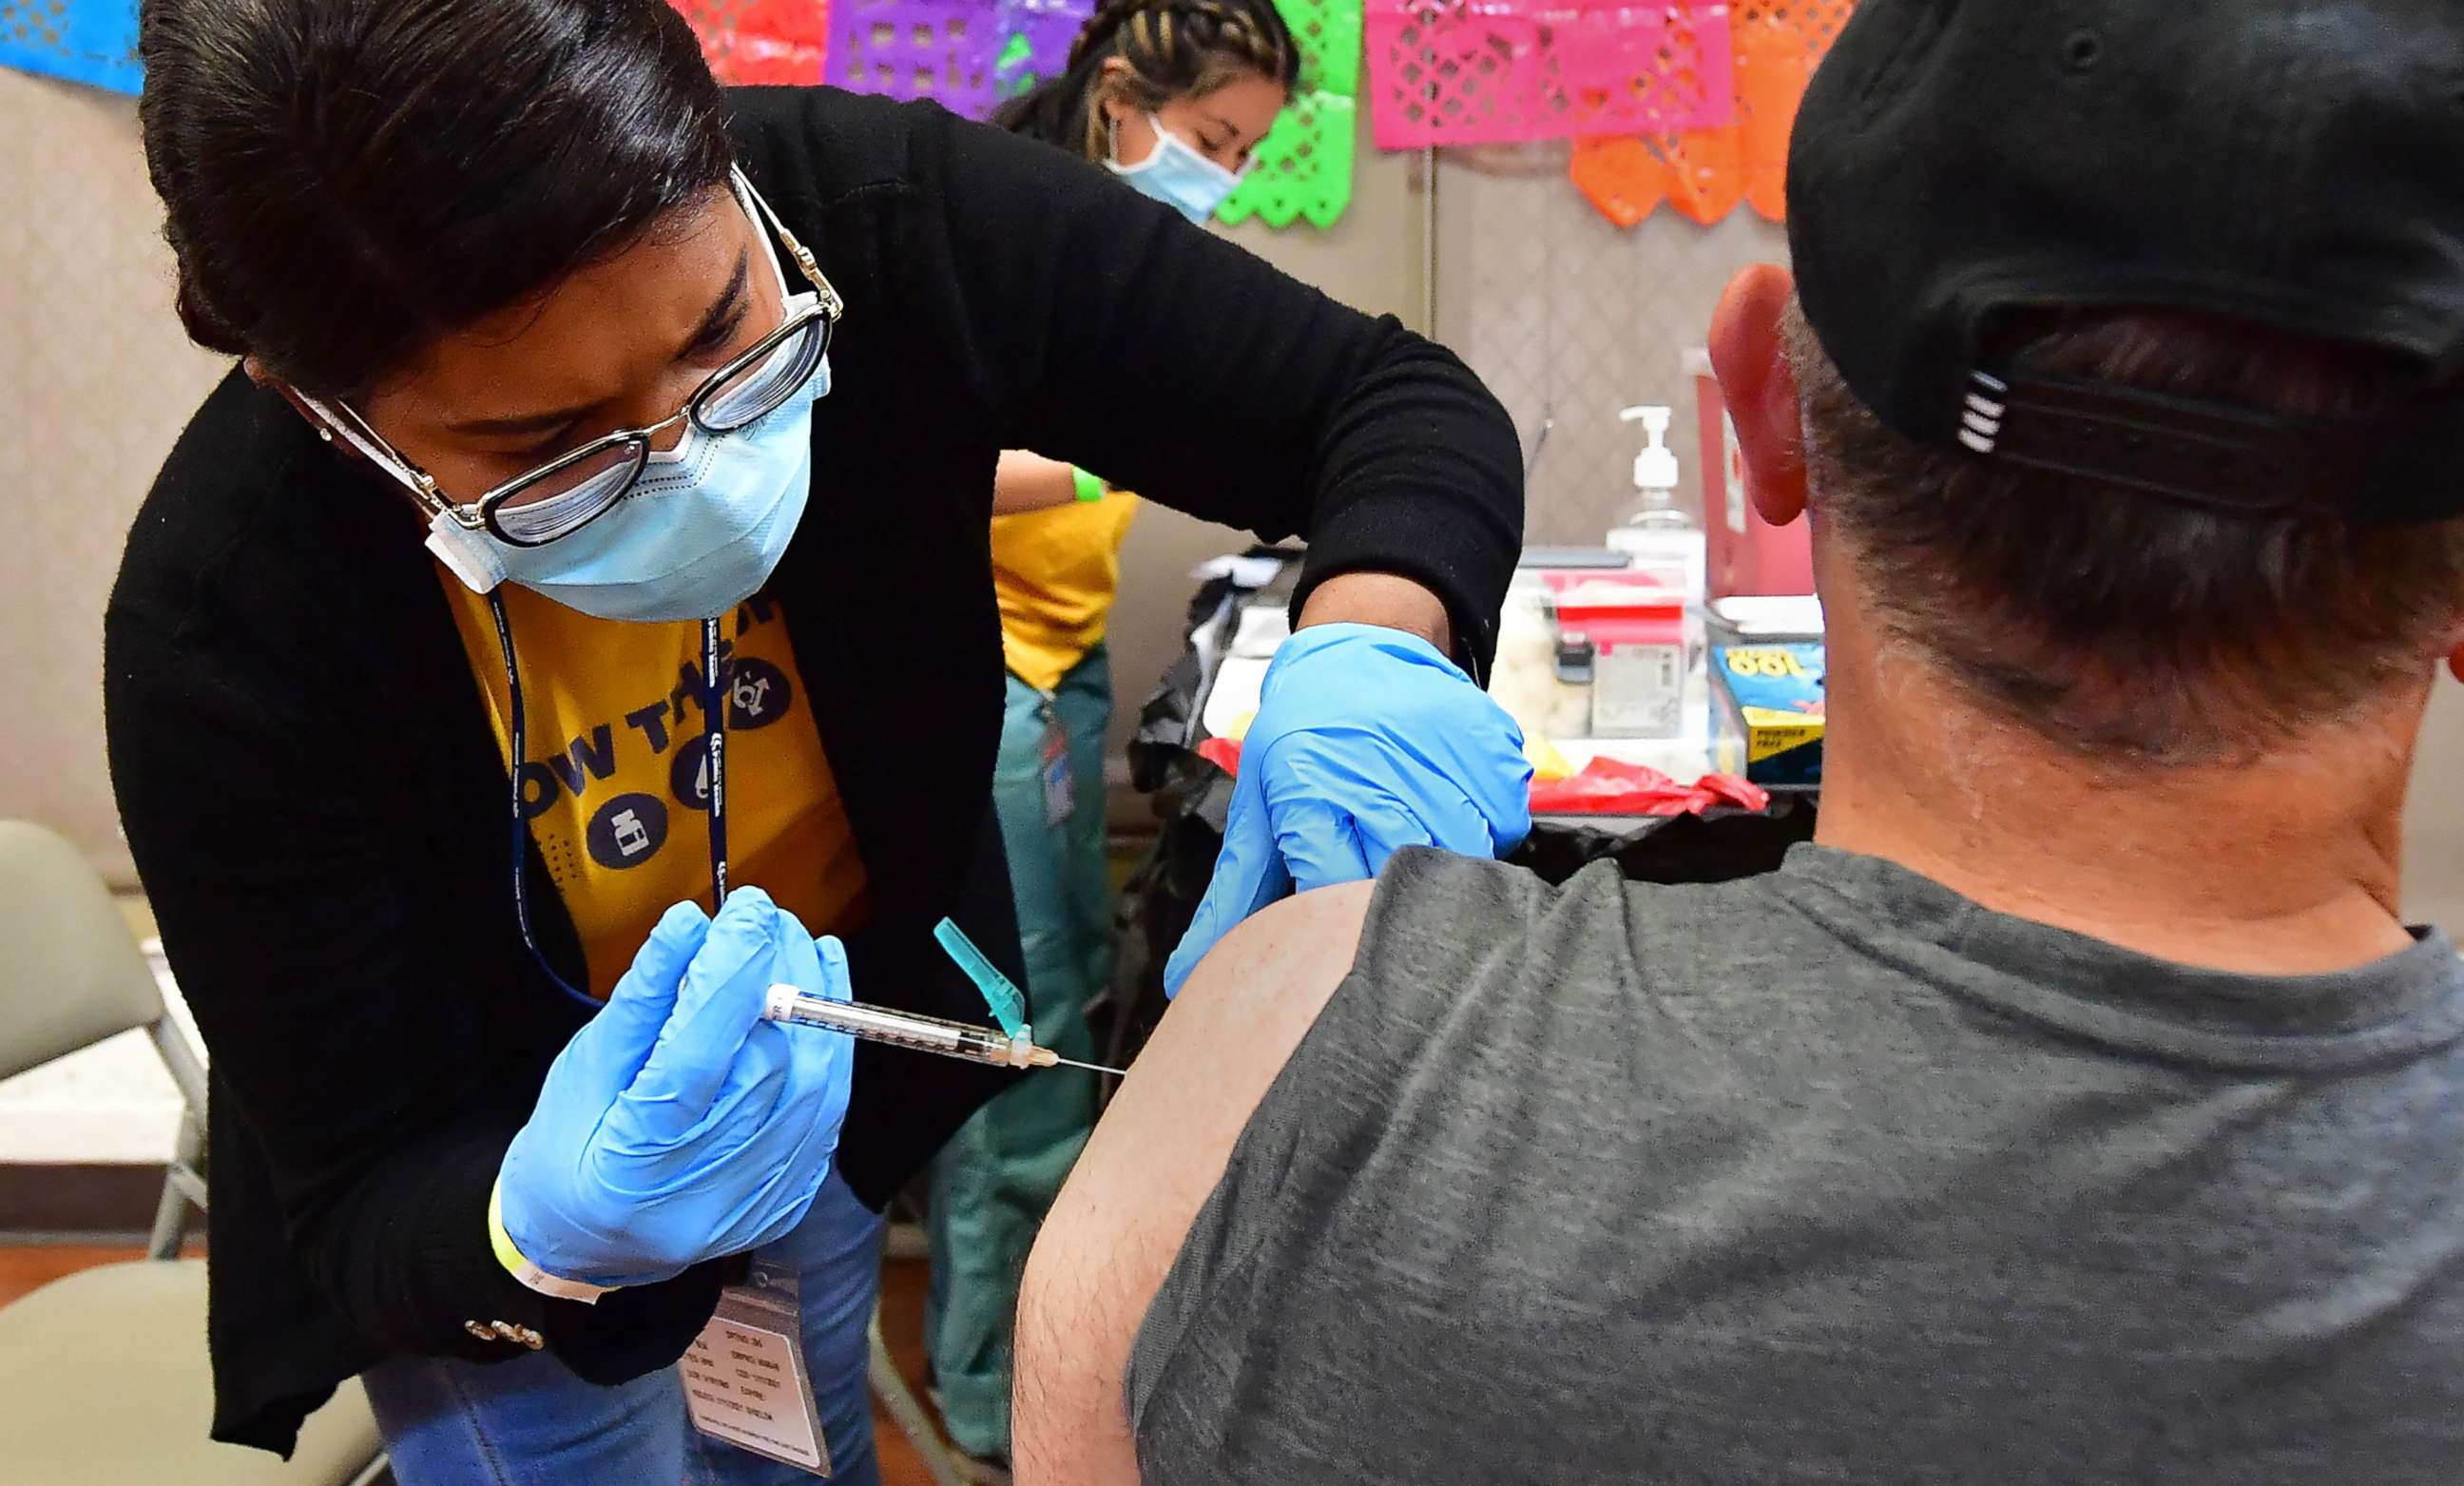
(1660, 539)
(1654, 468)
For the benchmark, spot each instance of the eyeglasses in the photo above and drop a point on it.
(571, 491)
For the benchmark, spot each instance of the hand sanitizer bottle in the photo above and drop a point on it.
(1661, 541)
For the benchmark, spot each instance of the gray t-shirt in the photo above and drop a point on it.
(1831, 1175)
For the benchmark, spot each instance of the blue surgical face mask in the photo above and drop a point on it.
(1176, 175)
(701, 531)
(704, 528)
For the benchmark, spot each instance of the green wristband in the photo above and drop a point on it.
(1089, 487)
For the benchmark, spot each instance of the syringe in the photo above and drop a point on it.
(923, 1033)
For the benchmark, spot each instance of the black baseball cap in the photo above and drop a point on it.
(2294, 164)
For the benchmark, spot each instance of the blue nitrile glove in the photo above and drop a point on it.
(1367, 741)
(678, 1125)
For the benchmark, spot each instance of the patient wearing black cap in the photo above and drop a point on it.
(2079, 1108)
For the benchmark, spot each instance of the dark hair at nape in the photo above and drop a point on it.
(2118, 626)
(344, 180)
(1174, 48)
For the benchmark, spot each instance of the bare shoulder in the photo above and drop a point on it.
(1161, 1148)
(1166, 1135)
(1249, 1003)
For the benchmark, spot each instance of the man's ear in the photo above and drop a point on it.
(256, 373)
(1759, 388)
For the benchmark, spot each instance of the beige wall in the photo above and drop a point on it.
(1571, 317)
(95, 381)
(2433, 855)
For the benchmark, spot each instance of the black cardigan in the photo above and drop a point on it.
(316, 799)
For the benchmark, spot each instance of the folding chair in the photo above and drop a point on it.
(103, 1379)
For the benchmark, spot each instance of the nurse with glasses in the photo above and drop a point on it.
(746, 497)
(573, 616)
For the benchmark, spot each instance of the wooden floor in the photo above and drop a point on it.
(25, 1268)
(902, 1326)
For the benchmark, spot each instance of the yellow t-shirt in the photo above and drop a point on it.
(1055, 572)
(613, 785)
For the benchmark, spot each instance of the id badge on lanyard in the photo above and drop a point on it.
(1052, 754)
(744, 1378)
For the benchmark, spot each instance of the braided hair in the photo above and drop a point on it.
(1175, 48)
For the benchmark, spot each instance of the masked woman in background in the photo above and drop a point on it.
(1173, 97)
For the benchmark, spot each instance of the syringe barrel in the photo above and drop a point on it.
(900, 1029)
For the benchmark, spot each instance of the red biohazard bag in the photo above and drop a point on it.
(1607, 787)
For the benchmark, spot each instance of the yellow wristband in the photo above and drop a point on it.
(531, 1275)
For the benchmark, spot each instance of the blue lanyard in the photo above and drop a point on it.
(713, 712)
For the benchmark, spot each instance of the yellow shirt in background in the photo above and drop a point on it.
(1055, 572)
(613, 782)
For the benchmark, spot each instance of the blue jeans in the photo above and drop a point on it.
(530, 1422)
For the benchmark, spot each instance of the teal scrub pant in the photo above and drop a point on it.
(998, 1176)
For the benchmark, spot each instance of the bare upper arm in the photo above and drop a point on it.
(1159, 1151)
(1027, 481)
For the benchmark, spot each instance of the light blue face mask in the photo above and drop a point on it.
(697, 533)
(1176, 175)
(701, 532)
